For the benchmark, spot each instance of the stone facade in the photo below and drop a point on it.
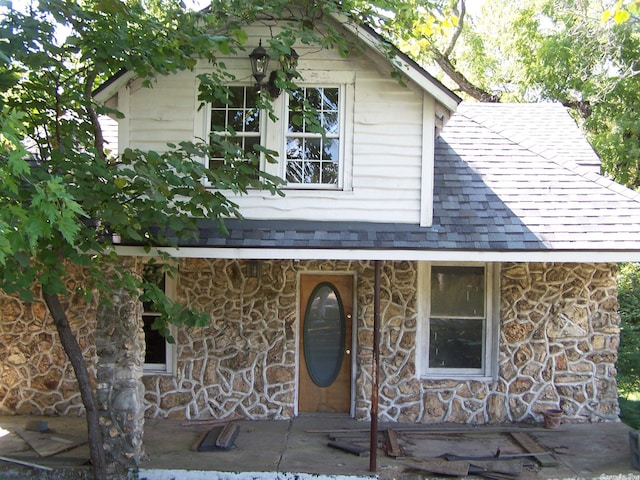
(119, 392)
(35, 376)
(557, 346)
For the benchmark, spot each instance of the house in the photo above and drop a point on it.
(482, 235)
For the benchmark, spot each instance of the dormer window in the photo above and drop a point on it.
(312, 139)
(236, 123)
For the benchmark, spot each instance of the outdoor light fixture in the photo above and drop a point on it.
(260, 64)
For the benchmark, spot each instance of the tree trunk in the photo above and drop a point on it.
(73, 351)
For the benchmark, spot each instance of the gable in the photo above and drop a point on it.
(385, 143)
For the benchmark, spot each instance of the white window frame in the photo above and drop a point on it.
(489, 369)
(342, 101)
(170, 367)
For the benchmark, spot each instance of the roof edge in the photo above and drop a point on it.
(439, 255)
(112, 85)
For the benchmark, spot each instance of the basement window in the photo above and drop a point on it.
(159, 353)
(458, 332)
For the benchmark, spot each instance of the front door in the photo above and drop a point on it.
(326, 308)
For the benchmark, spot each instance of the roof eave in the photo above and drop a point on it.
(112, 86)
(432, 255)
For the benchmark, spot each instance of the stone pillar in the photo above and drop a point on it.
(120, 349)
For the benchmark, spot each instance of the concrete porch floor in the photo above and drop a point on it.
(288, 449)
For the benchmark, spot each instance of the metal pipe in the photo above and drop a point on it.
(375, 371)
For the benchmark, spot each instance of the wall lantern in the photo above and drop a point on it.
(260, 64)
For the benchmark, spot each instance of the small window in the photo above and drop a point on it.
(458, 327)
(235, 127)
(312, 143)
(159, 353)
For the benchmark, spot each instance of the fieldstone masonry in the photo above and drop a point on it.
(35, 376)
(557, 347)
(119, 392)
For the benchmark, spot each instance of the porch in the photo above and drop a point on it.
(288, 448)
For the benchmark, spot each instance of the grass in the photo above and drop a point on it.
(630, 409)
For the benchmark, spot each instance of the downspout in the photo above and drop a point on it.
(373, 446)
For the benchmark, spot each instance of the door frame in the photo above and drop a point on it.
(354, 334)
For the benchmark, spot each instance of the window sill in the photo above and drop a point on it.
(456, 378)
(157, 373)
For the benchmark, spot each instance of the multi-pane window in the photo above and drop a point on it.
(235, 123)
(458, 320)
(159, 352)
(313, 137)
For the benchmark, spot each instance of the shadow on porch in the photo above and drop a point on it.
(288, 448)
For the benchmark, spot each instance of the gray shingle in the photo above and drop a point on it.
(507, 177)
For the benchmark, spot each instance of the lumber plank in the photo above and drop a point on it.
(393, 447)
(198, 441)
(531, 446)
(435, 429)
(26, 464)
(227, 436)
(210, 422)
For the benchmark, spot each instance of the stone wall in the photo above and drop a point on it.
(558, 347)
(558, 342)
(35, 376)
(245, 362)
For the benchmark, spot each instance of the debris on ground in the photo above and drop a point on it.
(519, 452)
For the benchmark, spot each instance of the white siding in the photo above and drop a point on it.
(383, 137)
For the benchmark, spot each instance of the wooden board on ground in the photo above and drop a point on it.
(391, 440)
(350, 448)
(531, 446)
(227, 436)
(218, 438)
(441, 466)
(50, 443)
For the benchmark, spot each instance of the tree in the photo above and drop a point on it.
(574, 52)
(63, 196)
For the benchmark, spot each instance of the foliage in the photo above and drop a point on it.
(630, 412)
(551, 50)
(629, 352)
(622, 11)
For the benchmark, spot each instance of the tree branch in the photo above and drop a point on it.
(93, 116)
(465, 85)
(456, 34)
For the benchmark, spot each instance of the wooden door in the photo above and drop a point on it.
(326, 309)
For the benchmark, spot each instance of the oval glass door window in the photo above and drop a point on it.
(323, 334)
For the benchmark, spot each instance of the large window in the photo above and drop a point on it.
(313, 137)
(458, 327)
(159, 354)
(235, 127)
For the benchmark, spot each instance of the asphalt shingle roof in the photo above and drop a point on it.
(508, 177)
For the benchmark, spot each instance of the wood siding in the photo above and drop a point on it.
(383, 151)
